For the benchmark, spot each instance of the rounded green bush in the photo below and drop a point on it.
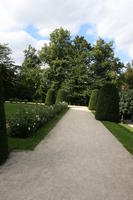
(93, 99)
(108, 103)
(61, 96)
(50, 97)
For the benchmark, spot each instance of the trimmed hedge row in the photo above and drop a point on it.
(108, 104)
(61, 96)
(27, 120)
(50, 97)
(93, 99)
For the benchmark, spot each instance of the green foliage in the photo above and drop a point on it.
(5, 63)
(93, 99)
(26, 121)
(61, 96)
(3, 135)
(108, 103)
(71, 64)
(105, 66)
(31, 59)
(59, 47)
(126, 103)
(128, 75)
(50, 97)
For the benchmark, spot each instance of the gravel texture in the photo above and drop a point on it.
(79, 160)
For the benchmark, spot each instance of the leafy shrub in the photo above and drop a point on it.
(93, 99)
(61, 96)
(108, 103)
(27, 120)
(50, 97)
(126, 103)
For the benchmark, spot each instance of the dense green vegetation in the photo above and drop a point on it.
(108, 104)
(73, 65)
(5, 62)
(93, 100)
(126, 103)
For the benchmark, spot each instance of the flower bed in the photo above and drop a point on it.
(27, 121)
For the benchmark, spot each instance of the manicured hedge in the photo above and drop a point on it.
(108, 103)
(61, 96)
(3, 135)
(50, 97)
(93, 99)
(27, 120)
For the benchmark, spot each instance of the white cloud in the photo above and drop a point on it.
(18, 41)
(112, 19)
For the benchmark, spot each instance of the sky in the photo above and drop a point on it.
(24, 22)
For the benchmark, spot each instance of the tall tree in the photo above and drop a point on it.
(128, 75)
(77, 82)
(31, 59)
(105, 67)
(57, 56)
(5, 63)
(30, 73)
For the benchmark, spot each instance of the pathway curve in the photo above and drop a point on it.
(79, 160)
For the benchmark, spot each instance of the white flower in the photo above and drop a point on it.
(17, 124)
(29, 128)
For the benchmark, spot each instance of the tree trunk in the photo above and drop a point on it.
(3, 134)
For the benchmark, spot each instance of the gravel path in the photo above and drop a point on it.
(78, 160)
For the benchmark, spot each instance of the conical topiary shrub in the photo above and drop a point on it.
(50, 97)
(108, 103)
(3, 135)
(93, 99)
(61, 96)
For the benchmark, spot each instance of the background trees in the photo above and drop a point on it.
(67, 63)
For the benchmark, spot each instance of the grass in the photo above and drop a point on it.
(31, 143)
(122, 132)
(11, 108)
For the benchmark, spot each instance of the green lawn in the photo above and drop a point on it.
(11, 108)
(122, 132)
